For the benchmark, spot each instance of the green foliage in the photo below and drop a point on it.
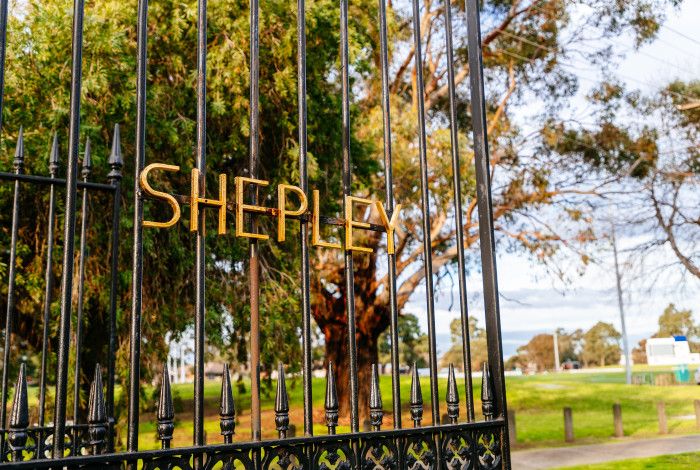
(601, 345)
(37, 97)
(413, 343)
(539, 351)
(676, 322)
(477, 345)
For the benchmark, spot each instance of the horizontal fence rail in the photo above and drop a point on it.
(449, 441)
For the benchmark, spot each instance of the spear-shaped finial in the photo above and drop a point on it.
(166, 411)
(87, 160)
(97, 416)
(331, 404)
(227, 410)
(19, 152)
(452, 398)
(19, 417)
(116, 161)
(281, 404)
(416, 401)
(486, 392)
(53, 157)
(376, 414)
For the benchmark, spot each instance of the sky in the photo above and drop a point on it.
(532, 301)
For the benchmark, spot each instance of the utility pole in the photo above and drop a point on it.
(625, 345)
(556, 352)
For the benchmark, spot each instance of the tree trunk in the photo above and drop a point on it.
(367, 354)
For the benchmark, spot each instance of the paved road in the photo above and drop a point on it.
(598, 453)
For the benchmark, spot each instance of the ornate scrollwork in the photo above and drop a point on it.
(456, 451)
(229, 460)
(284, 458)
(334, 456)
(379, 454)
(420, 453)
(489, 450)
(173, 462)
(68, 450)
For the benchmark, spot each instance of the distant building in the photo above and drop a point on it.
(670, 351)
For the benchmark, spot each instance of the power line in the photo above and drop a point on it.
(681, 34)
(663, 61)
(555, 51)
(673, 46)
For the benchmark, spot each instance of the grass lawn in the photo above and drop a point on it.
(690, 461)
(537, 401)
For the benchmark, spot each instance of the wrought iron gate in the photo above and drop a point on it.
(469, 443)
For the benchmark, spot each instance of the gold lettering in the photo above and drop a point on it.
(349, 223)
(196, 200)
(240, 182)
(148, 189)
(316, 225)
(282, 207)
(389, 225)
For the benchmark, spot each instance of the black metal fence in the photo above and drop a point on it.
(470, 443)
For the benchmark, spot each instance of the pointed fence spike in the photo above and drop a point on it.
(281, 403)
(87, 160)
(165, 415)
(53, 157)
(376, 413)
(116, 161)
(416, 401)
(97, 415)
(19, 417)
(19, 152)
(452, 398)
(227, 410)
(331, 404)
(486, 392)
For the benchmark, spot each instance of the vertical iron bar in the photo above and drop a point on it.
(48, 281)
(200, 260)
(69, 231)
(10, 315)
(389, 203)
(137, 277)
(254, 263)
(116, 162)
(459, 223)
(81, 280)
(347, 188)
(304, 224)
(425, 208)
(486, 230)
(3, 48)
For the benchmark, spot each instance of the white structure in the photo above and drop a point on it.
(670, 351)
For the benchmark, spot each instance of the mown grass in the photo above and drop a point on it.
(689, 461)
(537, 401)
